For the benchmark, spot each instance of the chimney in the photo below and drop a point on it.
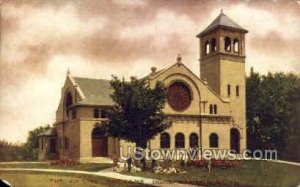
(153, 70)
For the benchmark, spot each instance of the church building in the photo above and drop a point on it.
(207, 110)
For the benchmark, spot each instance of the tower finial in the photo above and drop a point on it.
(222, 11)
(68, 72)
(178, 59)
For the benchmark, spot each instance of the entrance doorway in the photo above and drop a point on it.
(235, 140)
(99, 143)
(52, 145)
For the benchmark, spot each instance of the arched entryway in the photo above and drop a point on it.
(235, 140)
(99, 142)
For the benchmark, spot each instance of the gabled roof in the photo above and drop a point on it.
(96, 91)
(222, 21)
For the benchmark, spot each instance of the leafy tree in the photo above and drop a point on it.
(31, 147)
(292, 146)
(137, 116)
(268, 109)
(254, 134)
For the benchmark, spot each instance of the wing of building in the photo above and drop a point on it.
(207, 110)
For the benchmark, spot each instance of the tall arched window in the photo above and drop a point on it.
(228, 89)
(194, 140)
(165, 140)
(237, 90)
(206, 47)
(179, 140)
(213, 45)
(69, 102)
(215, 109)
(213, 140)
(211, 109)
(236, 45)
(227, 45)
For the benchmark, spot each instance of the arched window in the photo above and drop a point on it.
(69, 102)
(227, 44)
(235, 140)
(164, 140)
(211, 109)
(213, 140)
(228, 89)
(236, 45)
(213, 45)
(179, 140)
(237, 90)
(215, 109)
(194, 140)
(206, 47)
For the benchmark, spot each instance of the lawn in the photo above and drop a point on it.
(249, 173)
(36, 179)
(47, 165)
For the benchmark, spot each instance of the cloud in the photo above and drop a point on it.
(42, 39)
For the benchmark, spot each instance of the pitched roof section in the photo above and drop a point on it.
(222, 21)
(49, 132)
(96, 91)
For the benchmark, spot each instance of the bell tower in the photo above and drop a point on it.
(222, 55)
(222, 63)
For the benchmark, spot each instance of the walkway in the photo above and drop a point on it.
(104, 173)
(287, 162)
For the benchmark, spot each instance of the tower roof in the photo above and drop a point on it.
(222, 21)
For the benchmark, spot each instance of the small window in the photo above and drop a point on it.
(236, 45)
(215, 109)
(227, 44)
(211, 109)
(179, 140)
(213, 45)
(237, 90)
(213, 140)
(206, 47)
(228, 90)
(164, 140)
(96, 113)
(104, 113)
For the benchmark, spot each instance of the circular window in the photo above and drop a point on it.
(179, 96)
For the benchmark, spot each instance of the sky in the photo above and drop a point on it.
(40, 40)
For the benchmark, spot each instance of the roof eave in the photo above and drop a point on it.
(221, 26)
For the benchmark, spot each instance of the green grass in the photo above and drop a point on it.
(36, 179)
(249, 173)
(47, 165)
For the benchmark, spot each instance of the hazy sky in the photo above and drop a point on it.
(41, 39)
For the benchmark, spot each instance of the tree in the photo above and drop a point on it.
(30, 148)
(268, 109)
(137, 116)
(254, 134)
(292, 147)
